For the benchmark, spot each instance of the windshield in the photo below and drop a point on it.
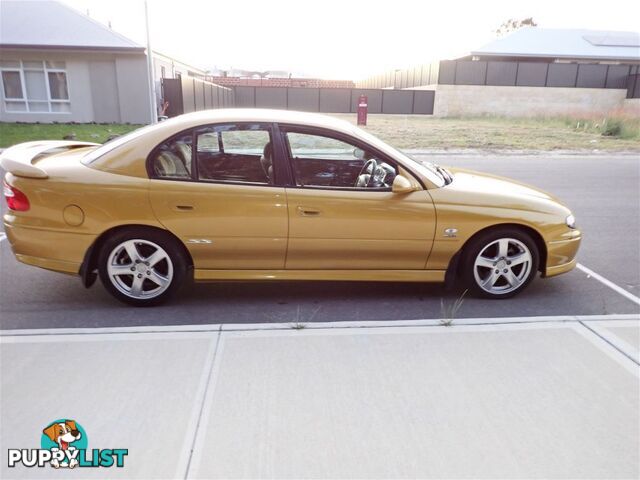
(115, 143)
(425, 168)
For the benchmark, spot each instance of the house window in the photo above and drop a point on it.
(35, 86)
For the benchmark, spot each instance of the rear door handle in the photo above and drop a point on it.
(308, 212)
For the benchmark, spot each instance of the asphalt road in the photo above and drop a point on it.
(603, 192)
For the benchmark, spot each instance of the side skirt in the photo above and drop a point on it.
(200, 275)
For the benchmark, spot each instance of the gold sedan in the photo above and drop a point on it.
(272, 195)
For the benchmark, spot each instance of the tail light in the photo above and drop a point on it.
(16, 200)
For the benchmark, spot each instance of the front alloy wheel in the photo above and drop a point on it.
(502, 266)
(501, 263)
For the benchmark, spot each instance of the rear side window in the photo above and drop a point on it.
(173, 159)
(235, 153)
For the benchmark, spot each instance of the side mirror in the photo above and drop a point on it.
(402, 185)
(359, 153)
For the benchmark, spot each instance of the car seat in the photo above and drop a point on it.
(266, 160)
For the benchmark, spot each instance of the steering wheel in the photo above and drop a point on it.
(365, 167)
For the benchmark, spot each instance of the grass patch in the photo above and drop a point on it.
(450, 311)
(616, 126)
(12, 133)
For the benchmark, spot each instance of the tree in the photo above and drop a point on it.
(512, 24)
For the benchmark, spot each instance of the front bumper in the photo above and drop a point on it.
(561, 253)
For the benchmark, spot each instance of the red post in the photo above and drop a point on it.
(362, 110)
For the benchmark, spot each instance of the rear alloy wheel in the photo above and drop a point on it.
(502, 264)
(141, 271)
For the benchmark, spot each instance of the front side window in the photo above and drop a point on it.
(172, 159)
(35, 86)
(322, 161)
(236, 153)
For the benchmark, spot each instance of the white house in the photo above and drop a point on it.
(59, 65)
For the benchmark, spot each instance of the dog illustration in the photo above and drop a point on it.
(63, 433)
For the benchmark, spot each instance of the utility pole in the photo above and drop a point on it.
(152, 83)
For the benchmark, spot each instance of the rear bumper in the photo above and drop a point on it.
(55, 265)
(54, 250)
(561, 254)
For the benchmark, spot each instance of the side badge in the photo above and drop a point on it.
(199, 240)
(451, 232)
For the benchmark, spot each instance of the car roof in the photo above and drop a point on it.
(260, 115)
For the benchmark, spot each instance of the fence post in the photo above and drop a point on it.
(546, 76)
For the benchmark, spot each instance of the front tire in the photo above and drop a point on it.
(141, 267)
(500, 263)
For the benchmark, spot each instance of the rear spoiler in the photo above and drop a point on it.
(20, 159)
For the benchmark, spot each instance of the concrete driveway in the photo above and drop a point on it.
(512, 400)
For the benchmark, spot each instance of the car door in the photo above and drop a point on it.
(335, 224)
(214, 188)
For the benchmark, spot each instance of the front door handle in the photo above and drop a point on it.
(308, 212)
(183, 208)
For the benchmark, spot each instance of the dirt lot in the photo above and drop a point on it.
(496, 133)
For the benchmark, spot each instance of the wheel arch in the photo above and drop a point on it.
(453, 270)
(89, 265)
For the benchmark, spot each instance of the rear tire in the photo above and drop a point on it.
(500, 263)
(142, 267)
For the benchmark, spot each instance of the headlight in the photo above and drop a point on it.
(571, 221)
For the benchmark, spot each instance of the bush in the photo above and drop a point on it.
(613, 127)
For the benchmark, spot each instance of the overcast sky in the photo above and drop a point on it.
(344, 39)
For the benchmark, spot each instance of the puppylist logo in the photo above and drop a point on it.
(64, 444)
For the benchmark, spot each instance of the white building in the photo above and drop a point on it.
(59, 65)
